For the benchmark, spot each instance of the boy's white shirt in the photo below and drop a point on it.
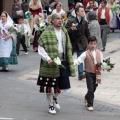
(82, 57)
(25, 28)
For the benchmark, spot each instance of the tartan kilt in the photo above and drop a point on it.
(48, 84)
(55, 84)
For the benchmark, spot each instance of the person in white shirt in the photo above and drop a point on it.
(104, 17)
(58, 9)
(22, 28)
(54, 43)
(92, 6)
(91, 58)
(78, 4)
(95, 4)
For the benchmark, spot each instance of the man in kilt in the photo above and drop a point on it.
(54, 42)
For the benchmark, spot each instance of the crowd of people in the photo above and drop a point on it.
(56, 33)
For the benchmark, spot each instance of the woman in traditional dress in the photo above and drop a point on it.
(35, 7)
(58, 9)
(7, 46)
(115, 23)
(94, 28)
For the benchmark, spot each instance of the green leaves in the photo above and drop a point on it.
(109, 64)
(106, 65)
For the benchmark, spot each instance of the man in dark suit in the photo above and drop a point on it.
(78, 32)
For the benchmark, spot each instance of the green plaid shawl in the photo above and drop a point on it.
(48, 41)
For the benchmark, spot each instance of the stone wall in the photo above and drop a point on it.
(65, 4)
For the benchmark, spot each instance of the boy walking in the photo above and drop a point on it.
(91, 58)
(22, 28)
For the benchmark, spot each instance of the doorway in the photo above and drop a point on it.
(1, 6)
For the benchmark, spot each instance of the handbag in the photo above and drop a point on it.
(19, 12)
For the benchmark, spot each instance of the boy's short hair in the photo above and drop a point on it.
(21, 17)
(92, 39)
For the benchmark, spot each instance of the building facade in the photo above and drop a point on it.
(6, 5)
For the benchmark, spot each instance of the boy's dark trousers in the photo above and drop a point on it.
(22, 41)
(91, 86)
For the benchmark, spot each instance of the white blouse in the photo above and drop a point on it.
(62, 12)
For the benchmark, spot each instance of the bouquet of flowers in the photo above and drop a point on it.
(12, 29)
(114, 9)
(27, 14)
(42, 25)
(57, 61)
(106, 65)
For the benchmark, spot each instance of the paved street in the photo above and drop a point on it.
(20, 98)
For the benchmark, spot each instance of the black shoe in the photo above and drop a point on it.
(2, 69)
(103, 49)
(82, 77)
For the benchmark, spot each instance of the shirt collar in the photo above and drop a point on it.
(79, 19)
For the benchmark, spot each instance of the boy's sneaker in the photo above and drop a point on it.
(90, 108)
(52, 110)
(6, 69)
(2, 69)
(26, 53)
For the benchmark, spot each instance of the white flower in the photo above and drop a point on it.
(108, 67)
(57, 61)
(27, 12)
(76, 62)
(42, 24)
(105, 66)
(15, 28)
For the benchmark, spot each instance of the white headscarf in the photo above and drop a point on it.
(38, 2)
(9, 24)
(8, 18)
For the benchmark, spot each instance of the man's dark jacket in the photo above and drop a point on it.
(78, 37)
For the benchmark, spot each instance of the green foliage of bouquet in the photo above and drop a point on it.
(42, 25)
(27, 14)
(12, 29)
(114, 9)
(106, 65)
